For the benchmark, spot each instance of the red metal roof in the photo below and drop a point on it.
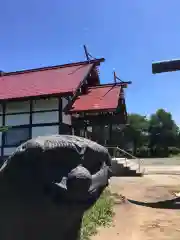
(44, 81)
(104, 97)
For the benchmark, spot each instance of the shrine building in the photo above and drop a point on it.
(64, 99)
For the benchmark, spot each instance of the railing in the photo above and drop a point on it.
(118, 149)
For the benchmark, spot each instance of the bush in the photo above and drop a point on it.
(159, 152)
(99, 215)
(173, 150)
(143, 152)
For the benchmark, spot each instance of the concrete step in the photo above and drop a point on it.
(125, 167)
(131, 165)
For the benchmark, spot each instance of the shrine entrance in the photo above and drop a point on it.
(99, 113)
(99, 127)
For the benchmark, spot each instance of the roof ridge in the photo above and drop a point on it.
(94, 61)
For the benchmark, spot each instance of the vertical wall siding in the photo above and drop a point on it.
(42, 117)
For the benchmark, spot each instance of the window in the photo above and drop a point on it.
(16, 136)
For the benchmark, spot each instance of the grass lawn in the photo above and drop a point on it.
(100, 214)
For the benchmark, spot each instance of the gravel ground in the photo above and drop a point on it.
(161, 161)
(161, 166)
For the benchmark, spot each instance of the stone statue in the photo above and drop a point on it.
(47, 185)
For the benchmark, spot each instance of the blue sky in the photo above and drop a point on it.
(129, 34)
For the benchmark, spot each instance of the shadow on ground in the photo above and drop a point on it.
(168, 204)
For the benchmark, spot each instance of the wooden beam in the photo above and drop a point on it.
(114, 73)
(166, 66)
(121, 82)
(125, 84)
(86, 53)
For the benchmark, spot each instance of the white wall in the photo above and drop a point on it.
(19, 119)
(46, 104)
(24, 106)
(44, 131)
(66, 118)
(9, 151)
(16, 107)
(45, 117)
(37, 117)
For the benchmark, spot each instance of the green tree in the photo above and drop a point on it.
(163, 132)
(136, 131)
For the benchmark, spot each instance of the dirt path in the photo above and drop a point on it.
(134, 222)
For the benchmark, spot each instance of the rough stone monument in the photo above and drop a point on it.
(47, 185)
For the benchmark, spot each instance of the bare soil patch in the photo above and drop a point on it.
(134, 218)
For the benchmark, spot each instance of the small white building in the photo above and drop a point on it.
(34, 102)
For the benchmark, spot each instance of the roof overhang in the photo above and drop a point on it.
(102, 98)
